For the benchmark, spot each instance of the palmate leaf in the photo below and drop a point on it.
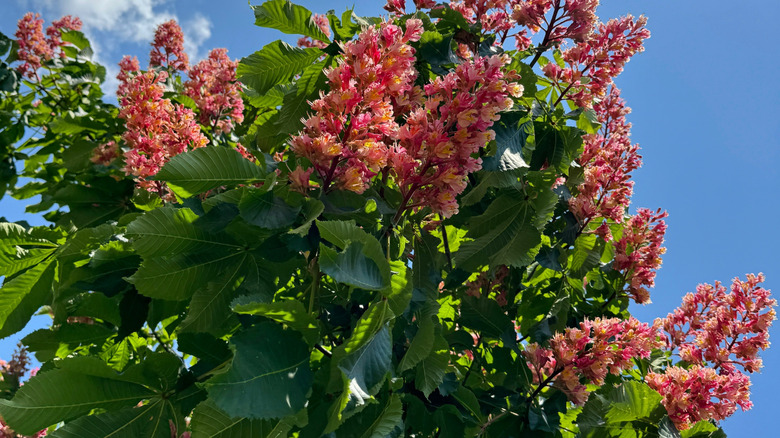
(150, 420)
(269, 376)
(276, 63)
(23, 295)
(289, 18)
(504, 234)
(169, 231)
(420, 347)
(351, 267)
(341, 233)
(288, 312)
(207, 168)
(484, 315)
(179, 277)
(296, 103)
(208, 421)
(266, 210)
(209, 309)
(366, 368)
(379, 420)
(60, 395)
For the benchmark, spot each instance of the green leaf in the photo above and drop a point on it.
(149, 420)
(179, 277)
(59, 342)
(296, 103)
(351, 267)
(171, 231)
(504, 235)
(209, 309)
(269, 376)
(266, 210)
(209, 421)
(341, 233)
(289, 312)
(76, 38)
(485, 315)
(289, 18)
(60, 395)
(207, 168)
(276, 63)
(23, 295)
(632, 401)
(429, 373)
(376, 421)
(702, 429)
(399, 294)
(420, 347)
(510, 140)
(366, 368)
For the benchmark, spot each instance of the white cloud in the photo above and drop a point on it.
(196, 31)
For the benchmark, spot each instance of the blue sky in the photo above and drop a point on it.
(704, 112)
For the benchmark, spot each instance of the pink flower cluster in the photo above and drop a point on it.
(572, 19)
(638, 251)
(398, 7)
(213, 87)
(16, 368)
(588, 353)
(156, 129)
(346, 140)
(168, 42)
(593, 63)
(322, 22)
(608, 158)
(716, 332)
(105, 154)
(489, 282)
(34, 47)
(434, 153)
(354, 134)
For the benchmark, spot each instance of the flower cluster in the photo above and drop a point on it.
(608, 159)
(213, 87)
(434, 153)
(346, 140)
(572, 19)
(398, 7)
(105, 153)
(592, 64)
(168, 42)
(34, 47)
(14, 370)
(322, 22)
(638, 252)
(487, 282)
(588, 353)
(716, 331)
(155, 128)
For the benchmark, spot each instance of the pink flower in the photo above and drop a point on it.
(33, 47)
(213, 87)
(168, 42)
(299, 179)
(156, 129)
(608, 158)
(597, 348)
(638, 252)
(716, 331)
(347, 137)
(105, 154)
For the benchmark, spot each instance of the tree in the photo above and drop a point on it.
(398, 228)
